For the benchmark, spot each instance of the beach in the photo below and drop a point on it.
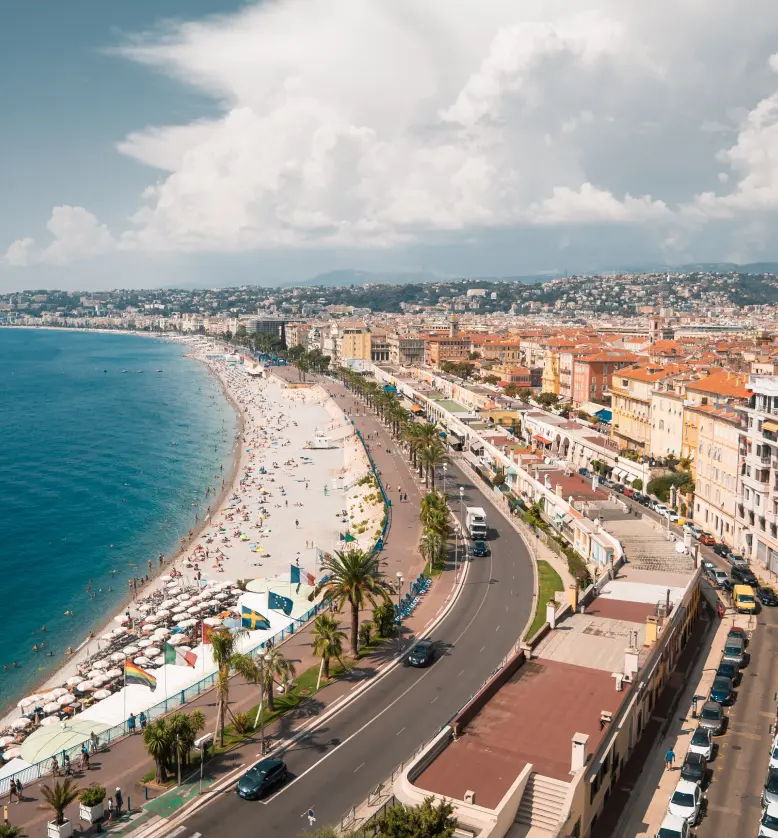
(297, 468)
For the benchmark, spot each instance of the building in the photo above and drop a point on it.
(406, 350)
(451, 348)
(592, 373)
(667, 419)
(352, 342)
(379, 346)
(756, 522)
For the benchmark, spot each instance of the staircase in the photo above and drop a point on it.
(542, 804)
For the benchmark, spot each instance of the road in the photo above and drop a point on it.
(337, 766)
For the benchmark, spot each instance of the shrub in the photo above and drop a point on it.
(92, 795)
(637, 484)
(365, 632)
(241, 722)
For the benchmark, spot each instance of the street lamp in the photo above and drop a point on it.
(445, 469)
(399, 591)
(263, 658)
(456, 541)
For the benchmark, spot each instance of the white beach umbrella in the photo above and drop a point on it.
(57, 692)
(118, 631)
(21, 724)
(64, 700)
(153, 651)
(161, 632)
(193, 609)
(12, 753)
(92, 674)
(115, 672)
(177, 618)
(74, 679)
(85, 687)
(99, 680)
(188, 623)
(108, 635)
(50, 720)
(122, 619)
(5, 741)
(103, 664)
(142, 660)
(177, 640)
(149, 627)
(51, 707)
(28, 701)
(168, 603)
(183, 597)
(101, 694)
(221, 595)
(130, 650)
(166, 578)
(163, 612)
(213, 621)
(117, 656)
(178, 609)
(145, 606)
(145, 642)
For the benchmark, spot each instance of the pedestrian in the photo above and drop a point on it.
(110, 808)
(310, 815)
(11, 791)
(118, 798)
(143, 720)
(18, 783)
(66, 765)
(54, 767)
(131, 724)
(669, 758)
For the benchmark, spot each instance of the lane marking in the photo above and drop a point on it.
(434, 699)
(460, 672)
(400, 731)
(481, 649)
(361, 765)
(497, 629)
(177, 831)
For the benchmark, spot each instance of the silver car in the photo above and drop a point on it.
(712, 717)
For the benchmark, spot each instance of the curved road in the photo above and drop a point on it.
(337, 765)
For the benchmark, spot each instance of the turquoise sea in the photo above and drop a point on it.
(101, 469)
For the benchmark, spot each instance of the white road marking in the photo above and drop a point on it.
(196, 835)
(497, 629)
(481, 649)
(434, 699)
(461, 671)
(362, 765)
(399, 731)
(177, 831)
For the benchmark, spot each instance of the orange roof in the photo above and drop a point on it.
(609, 356)
(723, 383)
(651, 372)
(669, 348)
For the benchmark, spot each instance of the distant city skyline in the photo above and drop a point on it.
(224, 142)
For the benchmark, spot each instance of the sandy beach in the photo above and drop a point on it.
(285, 502)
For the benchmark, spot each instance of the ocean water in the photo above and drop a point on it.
(100, 470)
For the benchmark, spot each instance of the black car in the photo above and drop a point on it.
(728, 585)
(694, 768)
(743, 576)
(721, 690)
(727, 669)
(422, 654)
(767, 596)
(261, 778)
(721, 550)
(480, 548)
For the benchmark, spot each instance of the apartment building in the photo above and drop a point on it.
(379, 346)
(717, 468)
(406, 350)
(667, 418)
(756, 523)
(451, 348)
(631, 394)
(592, 372)
(504, 351)
(352, 342)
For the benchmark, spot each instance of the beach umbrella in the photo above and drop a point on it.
(12, 753)
(168, 603)
(185, 598)
(193, 609)
(73, 680)
(108, 635)
(57, 692)
(213, 621)
(50, 720)
(177, 640)
(99, 680)
(166, 578)
(121, 619)
(145, 642)
(64, 700)
(220, 595)
(117, 656)
(21, 724)
(6, 740)
(177, 618)
(148, 627)
(142, 660)
(118, 631)
(29, 700)
(101, 694)
(103, 664)
(51, 707)
(161, 632)
(188, 623)
(114, 673)
(85, 687)
(152, 652)
(145, 606)
(130, 650)
(163, 612)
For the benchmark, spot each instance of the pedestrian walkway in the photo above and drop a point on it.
(126, 761)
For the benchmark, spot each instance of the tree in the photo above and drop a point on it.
(327, 642)
(156, 738)
(431, 456)
(276, 668)
(525, 394)
(637, 484)
(547, 399)
(353, 577)
(510, 390)
(223, 648)
(383, 619)
(432, 547)
(491, 379)
(10, 830)
(425, 821)
(60, 797)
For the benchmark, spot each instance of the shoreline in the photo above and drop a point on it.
(81, 652)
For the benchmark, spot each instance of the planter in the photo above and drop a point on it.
(63, 831)
(91, 814)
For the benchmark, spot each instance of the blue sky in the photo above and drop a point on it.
(160, 141)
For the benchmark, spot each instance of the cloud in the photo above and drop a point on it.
(346, 124)
(21, 253)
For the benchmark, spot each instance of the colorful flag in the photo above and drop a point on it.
(310, 579)
(205, 631)
(253, 619)
(135, 675)
(179, 658)
(294, 576)
(349, 538)
(276, 602)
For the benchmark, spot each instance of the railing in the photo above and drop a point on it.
(378, 546)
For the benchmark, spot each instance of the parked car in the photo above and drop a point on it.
(728, 585)
(422, 654)
(660, 508)
(480, 548)
(767, 596)
(672, 515)
(712, 717)
(774, 753)
(708, 569)
(740, 633)
(727, 669)
(702, 743)
(261, 777)
(694, 768)
(628, 493)
(721, 550)
(770, 792)
(673, 827)
(693, 529)
(744, 576)
(768, 825)
(734, 651)
(686, 802)
(721, 690)
(736, 561)
(704, 538)
(640, 498)
(720, 577)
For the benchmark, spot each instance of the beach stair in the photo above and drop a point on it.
(542, 803)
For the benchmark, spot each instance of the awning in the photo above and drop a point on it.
(770, 426)
(542, 439)
(416, 409)
(459, 436)
(604, 415)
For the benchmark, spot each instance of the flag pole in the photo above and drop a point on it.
(124, 693)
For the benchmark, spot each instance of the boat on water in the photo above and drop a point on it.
(159, 370)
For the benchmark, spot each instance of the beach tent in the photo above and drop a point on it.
(8, 770)
(47, 741)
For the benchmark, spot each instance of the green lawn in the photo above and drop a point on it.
(549, 582)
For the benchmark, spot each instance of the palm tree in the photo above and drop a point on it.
(412, 438)
(432, 547)
(327, 643)
(158, 741)
(276, 668)
(431, 456)
(353, 577)
(10, 830)
(432, 503)
(60, 797)
(223, 646)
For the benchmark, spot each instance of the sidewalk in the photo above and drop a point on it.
(126, 761)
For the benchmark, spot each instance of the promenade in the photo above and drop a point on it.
(126, 761)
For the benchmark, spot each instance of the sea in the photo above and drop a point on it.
(107, 445)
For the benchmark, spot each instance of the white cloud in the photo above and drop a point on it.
(21, 253)
(345, 123)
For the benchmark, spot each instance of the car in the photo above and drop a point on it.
(721, 690)
(261, 777)
(728, 585)
(728, 669)
(702, 743)
(743, 576)
(422, 654)
(704, 538)
(721, 550)
(737, 561)
(739, 633)
(619, 487)
(734, 651)
(694, 768)
(692, 529)
(660, 508)
(673, 827)
(767, 596)
(708, 568)
(773, 753)
(770, 791)
(480, 548)
(712, 717)
(640, 497)
(768, 825)
(686, 802)
(720, 577)
(672, 515)
(628, 493)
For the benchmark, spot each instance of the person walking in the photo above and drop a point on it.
(118, 798)
(131, 724)
(110, 808)
(11, 791)
(94, 741)
(18, 784)
(669, 758)
(54, 767)
(143, 720)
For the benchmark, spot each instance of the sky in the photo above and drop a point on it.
(217, 142)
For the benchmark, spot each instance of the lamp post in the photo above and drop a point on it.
(399, 591)
(462, 529)
(265, 656)
(445, 469)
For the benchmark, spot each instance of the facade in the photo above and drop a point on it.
(406, 350)
(756, 524)
(379, 346)
(353, 343)
(592, 374)
(551, 372)
(667, 420)
(452, 348)
(717, 471)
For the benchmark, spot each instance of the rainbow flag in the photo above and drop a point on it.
(135, 675)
